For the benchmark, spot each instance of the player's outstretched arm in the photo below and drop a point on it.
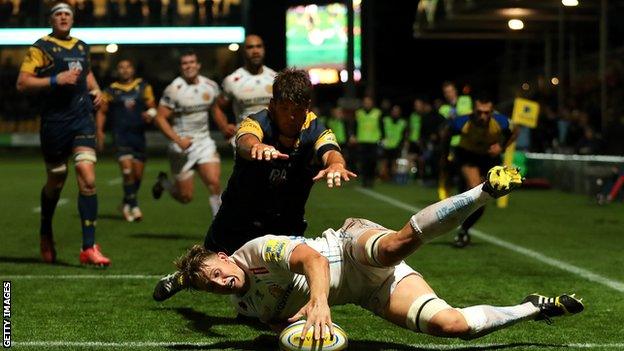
(228, 129)
(249, 147)
(307, 261)
(335, 170)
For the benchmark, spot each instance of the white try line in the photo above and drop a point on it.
(114, 181)
(164, 344)
(82, 276)
(61, 202)
(589, 275)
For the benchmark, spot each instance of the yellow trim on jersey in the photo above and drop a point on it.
(66, 44)
(326, 138)
(126, 86)
(148, 94)
(274, 251)
(107, 97)
(250, 126)
(309, 118)
(35, 58)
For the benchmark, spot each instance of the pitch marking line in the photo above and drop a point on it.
(114, 181)
(61, 202)
(581, 272)
(152, 344)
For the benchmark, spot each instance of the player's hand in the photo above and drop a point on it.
(317, 315)
(148, 115)
(69, 77)
(495, 150)
(184, 143)
(100, 136)
(266, 152)
(335, 173)
(97, 97)
(229, 130)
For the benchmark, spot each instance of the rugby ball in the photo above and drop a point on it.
(289, 339)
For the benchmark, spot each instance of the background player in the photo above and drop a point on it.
(130, 103)
(282, 279)
(248, 89)
(58, 67)
(484, 136)
(281, 151)
(186, 101)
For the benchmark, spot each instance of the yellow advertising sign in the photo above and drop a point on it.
(525, 113)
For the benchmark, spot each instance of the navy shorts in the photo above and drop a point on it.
(130, 144)
(59, 138)
(484, 162)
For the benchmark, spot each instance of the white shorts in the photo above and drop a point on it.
(372, 285)
(182, 162)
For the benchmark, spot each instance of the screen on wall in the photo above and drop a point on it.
(316, 40)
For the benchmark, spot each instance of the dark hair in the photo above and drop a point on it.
(292, 85)
(190, 264)
(483, 97)
(446, 83)
(125, 59)
(188, 52)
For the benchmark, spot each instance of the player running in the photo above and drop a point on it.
(186, 101)
(130, 103)
(57, 66)
(249, 88)
(281, 279)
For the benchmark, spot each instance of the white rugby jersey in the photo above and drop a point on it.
(190, 104)
(275, 293)
(249, 93)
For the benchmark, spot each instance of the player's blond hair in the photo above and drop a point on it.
(191, 263)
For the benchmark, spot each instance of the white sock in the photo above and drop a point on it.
(484, 319)
(445, 215)
(215, 203)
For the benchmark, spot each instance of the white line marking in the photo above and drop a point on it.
(114, 181)
(152, 344)
(82, 276)
(61, 202)
(591, 276)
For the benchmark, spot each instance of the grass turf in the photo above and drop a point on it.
(118, 312)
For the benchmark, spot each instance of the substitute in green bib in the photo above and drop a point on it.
(368, 134)
(395, 129)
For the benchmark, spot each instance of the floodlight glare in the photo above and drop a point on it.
(233, 47)
(112, 48)
(554, 81)
(515, 24)
(570, 2)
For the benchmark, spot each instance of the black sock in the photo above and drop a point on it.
(87, 206)
(473, 218)
(130, 194)
(48, 205)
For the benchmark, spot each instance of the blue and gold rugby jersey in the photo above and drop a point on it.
(279, 188)
(50, 56)
(478, 139)
(126, 102)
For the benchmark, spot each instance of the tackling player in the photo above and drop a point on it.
(249, 88)
(281, 279)
(281, 151)
(484, 136)
(57, 66)
(130, 103)
(186, 101)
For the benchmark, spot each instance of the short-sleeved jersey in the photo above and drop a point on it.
(50, 56)
(190, 104)
(479, 139)
(126, 102)
(279, 188)
(276, 293)
(249, 93)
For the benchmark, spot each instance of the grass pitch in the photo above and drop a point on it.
(553, 242)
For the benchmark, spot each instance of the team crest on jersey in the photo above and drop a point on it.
(75, 65)
(276, 291)
(206, 96)
(80, 47)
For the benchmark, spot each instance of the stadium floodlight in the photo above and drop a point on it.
(233, 47)
(132, 35)
(515, 24)
(112, 48)
(570, 2)
(526, 86)
(554, 81)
